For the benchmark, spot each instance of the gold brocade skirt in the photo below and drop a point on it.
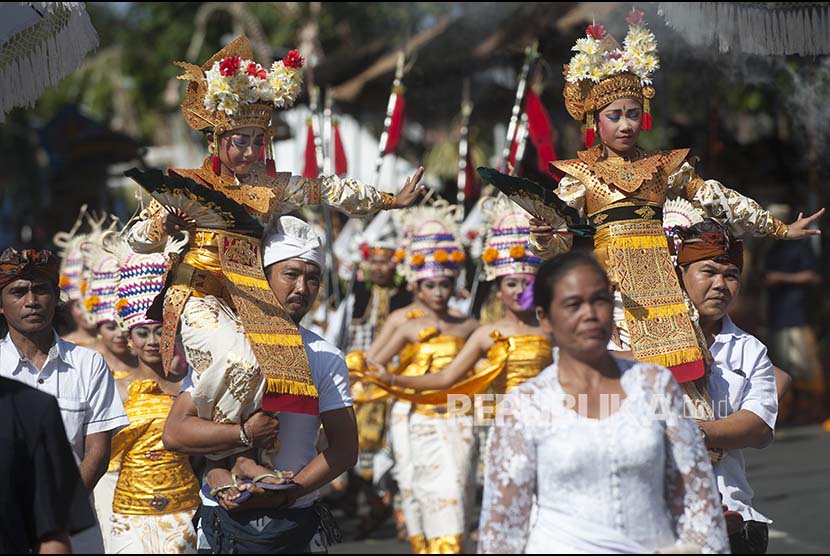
(228, 266)
(636, 257)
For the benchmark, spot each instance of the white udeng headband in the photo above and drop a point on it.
(292, 239)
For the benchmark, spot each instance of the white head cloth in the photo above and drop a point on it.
(292, 238)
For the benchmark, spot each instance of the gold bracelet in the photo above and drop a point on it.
(780, 230)
(388, 201)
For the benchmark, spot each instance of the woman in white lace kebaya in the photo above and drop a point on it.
(601, 442)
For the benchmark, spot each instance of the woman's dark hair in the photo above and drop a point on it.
(552, 271)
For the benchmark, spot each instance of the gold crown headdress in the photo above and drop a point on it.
(231, 91)
(601, 72)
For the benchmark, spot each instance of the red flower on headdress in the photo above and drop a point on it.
(257, 71)
(229, 65)
(596, 31)
(472, 234)
(365, 251)
(635, 17)
(293, 60)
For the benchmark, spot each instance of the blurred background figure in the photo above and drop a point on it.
(42, 497)
(792, 271)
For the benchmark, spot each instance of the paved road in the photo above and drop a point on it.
(791, 479)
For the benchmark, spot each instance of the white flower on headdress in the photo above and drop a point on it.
(615, 65)
(639, 56)
(246, 82)
(578, 68)
(285, 83)
(638, 36)
(228, 105)
(644, 67)
(596, 73)
(589, 46)
(651, 64)
(580, 44)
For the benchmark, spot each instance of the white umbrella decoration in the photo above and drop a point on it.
(766, 28)
(40, 44)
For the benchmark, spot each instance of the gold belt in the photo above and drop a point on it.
(201, 269)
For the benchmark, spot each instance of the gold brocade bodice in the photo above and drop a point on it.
(153, 481)
(259, 195)
(200, 270)
(520, 357)
(432, 353)
(610, 180)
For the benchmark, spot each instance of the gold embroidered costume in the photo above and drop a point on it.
(221, 272)
(623, 199)
(157, 492)
(153, 480)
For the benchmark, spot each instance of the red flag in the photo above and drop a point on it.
(472, 188)
(541, 131)
(396, 126)
(341, 165)
(511, 159)
(311, 169)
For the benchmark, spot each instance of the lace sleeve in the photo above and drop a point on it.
(691, 491)
(509, 486)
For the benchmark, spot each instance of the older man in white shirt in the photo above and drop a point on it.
(79, 379)
(742, 381)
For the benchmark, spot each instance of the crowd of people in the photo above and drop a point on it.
(602, 400)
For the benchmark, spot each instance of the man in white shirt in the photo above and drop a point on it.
(742, 381)
(283, 520)
(79, 379)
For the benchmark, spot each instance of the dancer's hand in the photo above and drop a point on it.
(411, 192)
(540, 228)
(176, 222)
(800, 228)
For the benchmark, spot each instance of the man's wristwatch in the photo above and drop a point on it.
(243, 437)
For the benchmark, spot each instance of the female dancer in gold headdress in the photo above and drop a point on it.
(434, 449)
(622, 189)
(218, 303)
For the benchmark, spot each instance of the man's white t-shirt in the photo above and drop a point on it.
(298, 432)
(742, 378)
